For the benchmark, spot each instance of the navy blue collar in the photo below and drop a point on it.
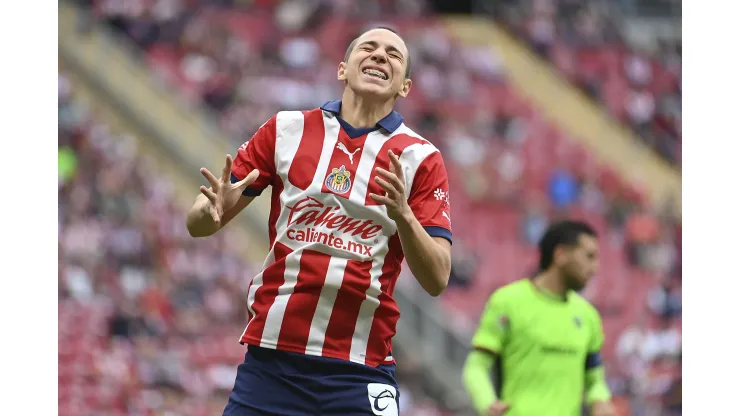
(389, 123)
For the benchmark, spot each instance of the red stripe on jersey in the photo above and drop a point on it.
(304, 163)
(302, 302)
(341, 327)
(392, 262)
(386, 315)
(397, 144)
(345, 157)
(275, 209)
(272, 278)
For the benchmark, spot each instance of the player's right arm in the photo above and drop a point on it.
(488, 342)
(241, 181)
(202, 223)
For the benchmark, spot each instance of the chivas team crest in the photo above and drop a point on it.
(338, 180)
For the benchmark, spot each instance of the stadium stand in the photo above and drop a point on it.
(642, 90)
(139, 306)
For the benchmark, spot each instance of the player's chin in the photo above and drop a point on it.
(373, 89)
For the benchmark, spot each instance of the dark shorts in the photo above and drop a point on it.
(281, 383)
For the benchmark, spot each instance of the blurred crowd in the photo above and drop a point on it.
(122, 239)
(639, 88)
(125, 256)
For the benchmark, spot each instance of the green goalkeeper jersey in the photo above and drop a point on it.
(543, 345)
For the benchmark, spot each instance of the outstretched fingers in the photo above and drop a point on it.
(390, 190)
(382, 199)
(226, 174)
(389, 178)
(209, 194)
(210, 178)
(395, 165)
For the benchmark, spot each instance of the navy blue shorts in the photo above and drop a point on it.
(279, 383)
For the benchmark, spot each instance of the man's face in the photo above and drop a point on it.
(376, 67)
(580, 262)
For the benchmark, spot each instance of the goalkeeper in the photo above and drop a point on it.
(541, 339)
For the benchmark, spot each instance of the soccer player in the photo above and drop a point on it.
(354, 192)
(541, 339)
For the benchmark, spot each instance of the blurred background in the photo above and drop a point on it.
(543, 109)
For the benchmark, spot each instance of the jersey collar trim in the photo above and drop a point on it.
(389, 123)
(548, 295)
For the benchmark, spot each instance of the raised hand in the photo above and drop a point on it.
(395, 189)
(223, 194)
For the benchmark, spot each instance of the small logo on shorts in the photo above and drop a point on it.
(338, 180)
(382, 399)
(577, 321)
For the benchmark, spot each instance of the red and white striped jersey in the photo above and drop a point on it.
(327, 283)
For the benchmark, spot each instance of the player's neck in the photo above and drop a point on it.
(550, 283)
(361, 113)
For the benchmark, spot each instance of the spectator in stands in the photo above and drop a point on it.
(638, 70)
(661, 378)
(663, 340)
(672, 401)
(618, 211)
(591, 197)
(534, 223)
(630, 347)
(640, 106)
(469, 153)
(563, 189)
(634, 92)
(664, 299)
(541, 27)
(642, 231)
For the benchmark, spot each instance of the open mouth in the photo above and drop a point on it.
(375, 73)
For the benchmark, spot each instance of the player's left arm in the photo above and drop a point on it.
(598, 396)
(422, 220)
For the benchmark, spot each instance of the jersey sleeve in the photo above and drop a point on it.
(597, 389)
(429, 199)
(257, 153)
(493, 329)
(596, 341)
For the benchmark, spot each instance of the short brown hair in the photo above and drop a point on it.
(564, 233)
(354, 43)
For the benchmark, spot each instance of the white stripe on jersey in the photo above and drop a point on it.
(320, 321)
(274, 320)
(373, 143)
(331, 137)
(288, 135)
(411, 159)
(365, 318)
(412, 156)
(257, 282)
